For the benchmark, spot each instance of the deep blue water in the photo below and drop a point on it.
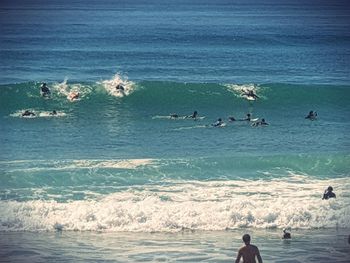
(194, 41)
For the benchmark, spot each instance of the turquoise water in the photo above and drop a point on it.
(116, 162)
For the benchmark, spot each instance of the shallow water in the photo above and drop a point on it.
(187, 246)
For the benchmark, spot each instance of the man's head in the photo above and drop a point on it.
(246, 239)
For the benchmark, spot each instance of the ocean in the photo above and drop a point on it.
(112, 177)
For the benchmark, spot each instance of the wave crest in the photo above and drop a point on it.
(194, 205)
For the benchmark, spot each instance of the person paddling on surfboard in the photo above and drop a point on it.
(261, 123)
(27, 113)
(174, 116)
(231, 118)
(251, 94)
(73, 96)
(218, 123)
(248, 117)
(193, 116)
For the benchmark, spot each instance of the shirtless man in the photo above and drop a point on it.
(248, 252)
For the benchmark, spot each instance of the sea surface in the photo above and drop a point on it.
(112, 177)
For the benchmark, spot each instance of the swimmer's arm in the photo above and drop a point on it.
(258, 256)
(238, 256)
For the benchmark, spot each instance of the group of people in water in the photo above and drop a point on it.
(46, 93)
(250, 253)
(220, 123)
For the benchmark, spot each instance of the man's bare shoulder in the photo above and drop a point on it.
(248, 247)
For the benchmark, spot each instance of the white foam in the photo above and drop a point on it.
(84, 164)
(175, 205)
(240, 90)
(110, 86)
(63, 89)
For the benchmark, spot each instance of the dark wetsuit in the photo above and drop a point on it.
(45, 91)
(328, 195)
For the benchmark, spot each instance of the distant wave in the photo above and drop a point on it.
(168, 95)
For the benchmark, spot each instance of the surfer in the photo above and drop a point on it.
(120, 87)
(193, 116)
(312, 115)
(328, 193)
(218, 123)
(28, 113)
(286, 235)
(248, 118)
(53, 113)
(248, 252)
(262, 123)
(45, 91)
(231, 118)
(174, 116)
(73, 96)
(251, 94)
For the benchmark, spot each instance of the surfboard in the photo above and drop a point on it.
(178, 118)
(250, 98)
(45, 95)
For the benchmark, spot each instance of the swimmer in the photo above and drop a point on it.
(218, 123)
(44, 90)
(262, 123)
(328, 193)
(248, 252)
(286, 235)
(28, 113)
(312, 115)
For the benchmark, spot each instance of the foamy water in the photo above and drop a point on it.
(218, 205)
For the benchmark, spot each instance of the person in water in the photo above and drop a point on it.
(193, 116)
(312, 115)
(53, 113)
(328, 193)
(251, 93)
(248, 252)
(231, 118)
(45, 91)
(28, 113)
(218, 123)
(74, 95)
(174, 116)
(248, 118)
(120, 87)
(262, 123)
(286, 235)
